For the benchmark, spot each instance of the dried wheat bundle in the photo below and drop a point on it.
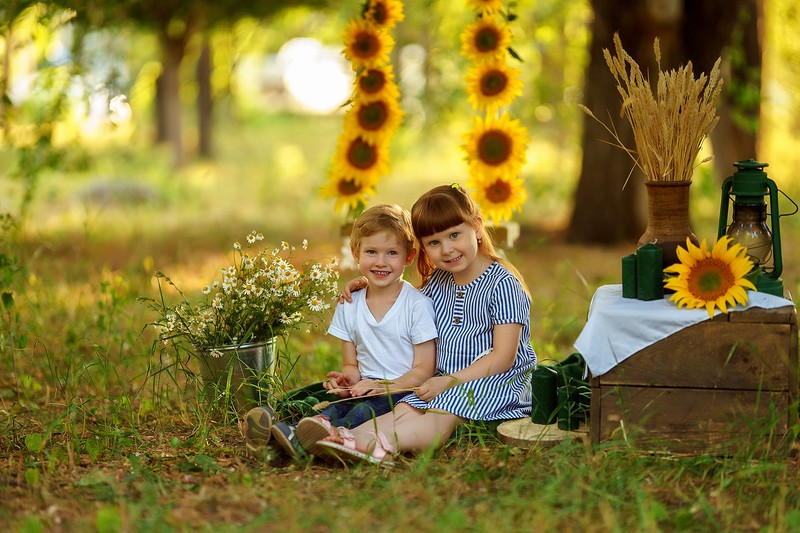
(669, 127)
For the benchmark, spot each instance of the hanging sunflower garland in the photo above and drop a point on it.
(495, 146)
(362, 151)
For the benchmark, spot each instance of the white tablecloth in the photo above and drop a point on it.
(619, 327)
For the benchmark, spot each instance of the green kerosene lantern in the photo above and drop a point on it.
(748, 187)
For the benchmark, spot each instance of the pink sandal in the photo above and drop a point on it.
(347, 453)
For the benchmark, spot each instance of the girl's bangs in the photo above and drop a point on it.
(434, 214)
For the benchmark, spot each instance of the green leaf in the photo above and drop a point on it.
(752, 276)
(514, 54)
(34, 442)
(207, 463)
(94, 478)
(792, 519)
(108, 520)
(93, 448)
(32, 477)
(32, 524)
(8, 300)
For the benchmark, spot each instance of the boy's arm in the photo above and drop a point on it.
(422, 368)
(501, 359)
(350, 375)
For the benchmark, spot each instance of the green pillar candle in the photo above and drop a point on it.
(629, 276)
(544, 404)
(649, 272)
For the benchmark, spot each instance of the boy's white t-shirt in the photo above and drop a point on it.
(385, 349)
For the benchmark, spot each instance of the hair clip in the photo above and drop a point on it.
(454, 186)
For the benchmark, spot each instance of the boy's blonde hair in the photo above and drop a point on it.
(383, 217)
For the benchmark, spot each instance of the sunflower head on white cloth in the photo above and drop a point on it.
(712, 278)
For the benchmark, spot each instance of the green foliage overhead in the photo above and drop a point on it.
(161, 14)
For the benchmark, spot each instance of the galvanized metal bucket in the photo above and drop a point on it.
(239, 376)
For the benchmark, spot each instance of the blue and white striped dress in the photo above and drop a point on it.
(465, 318)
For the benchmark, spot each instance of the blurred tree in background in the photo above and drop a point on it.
(176, 23)
(147, 42)
(700, 32)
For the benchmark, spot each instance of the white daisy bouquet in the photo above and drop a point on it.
(261, 295)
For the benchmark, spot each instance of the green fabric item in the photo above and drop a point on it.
(561, 393)
(300, 402)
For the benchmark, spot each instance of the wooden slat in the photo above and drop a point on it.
(710, 355)
(757, 315)
(688, 419)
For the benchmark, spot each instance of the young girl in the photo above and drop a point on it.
(484, 356)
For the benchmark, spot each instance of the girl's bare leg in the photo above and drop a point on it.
(408, 429)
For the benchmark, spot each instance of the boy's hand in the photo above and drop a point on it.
(350, 287)
(435, 386)
(367, 386)
(338, 381)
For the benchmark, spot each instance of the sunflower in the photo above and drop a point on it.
(710, 279)
(486, 6)
(493, 84)
(350, 193)
(500, 197)
(366, 45)
(375, 120)
(376, 83)
(485, 39)
(496, 146)
(384, 13)
(361, 159)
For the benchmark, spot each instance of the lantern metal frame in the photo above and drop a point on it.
(748, 186)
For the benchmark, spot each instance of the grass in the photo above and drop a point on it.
(98, 431)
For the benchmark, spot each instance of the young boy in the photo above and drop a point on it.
(388, 335)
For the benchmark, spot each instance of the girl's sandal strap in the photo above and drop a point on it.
(382, 446)
(346, 436)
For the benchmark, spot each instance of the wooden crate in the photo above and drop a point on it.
(715, 386)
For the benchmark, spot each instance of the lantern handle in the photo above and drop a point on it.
(796, 208)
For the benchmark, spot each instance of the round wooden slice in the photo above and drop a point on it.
(523, 432)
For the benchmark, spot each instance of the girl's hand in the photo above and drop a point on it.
(350, 287)
(435, 386)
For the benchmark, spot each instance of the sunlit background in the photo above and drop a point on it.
(279, 91)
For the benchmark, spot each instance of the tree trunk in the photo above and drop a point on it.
(173, 48)
(606, 209)
(604, 212)
(160, 111)
(5, 76)
(735, 137)
(204, 101)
